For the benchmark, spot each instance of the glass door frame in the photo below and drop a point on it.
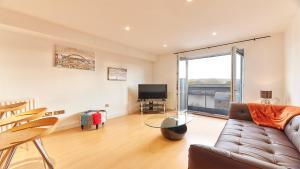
(233, 53)
(178, 87)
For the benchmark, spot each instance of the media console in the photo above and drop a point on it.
(152, 105)
(152, 97)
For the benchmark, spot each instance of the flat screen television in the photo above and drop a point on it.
(152, 91)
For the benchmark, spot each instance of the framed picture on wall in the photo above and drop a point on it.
(116, 74)
(73, 58)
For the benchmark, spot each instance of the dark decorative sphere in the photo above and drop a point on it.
(171, 130)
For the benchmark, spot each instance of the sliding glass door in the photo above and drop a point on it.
(208, 85)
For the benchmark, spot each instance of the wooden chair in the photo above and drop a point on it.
(25, 116)
(12, 108)
(9, 110)
(31, 131)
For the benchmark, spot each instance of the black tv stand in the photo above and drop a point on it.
(152, 105)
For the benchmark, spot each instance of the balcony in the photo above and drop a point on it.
(209, 98)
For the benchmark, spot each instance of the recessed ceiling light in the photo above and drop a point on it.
(127, 28)
(165, 45)
(214, 33)
(189, 0)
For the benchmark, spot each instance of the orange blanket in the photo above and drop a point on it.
(275, 116)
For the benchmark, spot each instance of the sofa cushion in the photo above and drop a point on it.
(292, 130)
(263, 143)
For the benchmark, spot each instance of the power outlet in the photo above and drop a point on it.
(59, 112)
(48, 114)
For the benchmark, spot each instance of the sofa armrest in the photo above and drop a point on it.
(239, 111)
(205, 157)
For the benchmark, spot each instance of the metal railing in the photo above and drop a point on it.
(209, 98)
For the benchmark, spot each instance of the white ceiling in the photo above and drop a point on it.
(179, 24)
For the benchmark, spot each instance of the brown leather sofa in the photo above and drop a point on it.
(245, 145)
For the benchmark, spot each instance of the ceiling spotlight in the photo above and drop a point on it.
(214, 34)
(165, 45)
(127, 28)
(189, 0)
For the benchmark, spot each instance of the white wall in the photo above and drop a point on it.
(263, 68)
(27, 71)
(292, 62)
(164, 71)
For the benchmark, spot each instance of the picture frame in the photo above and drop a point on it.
(73, 58)
(116, 74)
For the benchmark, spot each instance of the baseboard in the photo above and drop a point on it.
(210, 115)
(75, 123)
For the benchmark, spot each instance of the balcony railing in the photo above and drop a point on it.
(209, 98)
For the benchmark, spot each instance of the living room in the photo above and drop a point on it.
(210, 59)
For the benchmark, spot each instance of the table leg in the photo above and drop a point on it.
(43, 152)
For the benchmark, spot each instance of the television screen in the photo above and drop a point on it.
(152, 91)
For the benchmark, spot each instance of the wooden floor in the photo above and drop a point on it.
(124, 143)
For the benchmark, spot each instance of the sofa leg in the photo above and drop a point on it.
(82, 127)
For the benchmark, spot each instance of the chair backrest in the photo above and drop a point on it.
(19, 108)
(35, 113)
(49, 122)
(27, 132)
(12, 107)
(31, 103)
(25, 116)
